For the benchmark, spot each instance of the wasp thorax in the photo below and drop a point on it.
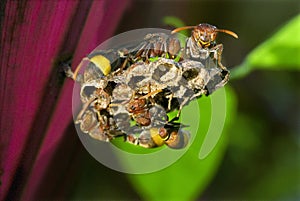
(204, 35)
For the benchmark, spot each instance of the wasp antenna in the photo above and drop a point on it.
(228, 32)
(182, 28)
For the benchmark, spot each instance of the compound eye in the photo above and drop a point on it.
(213, 36)
(196, 35)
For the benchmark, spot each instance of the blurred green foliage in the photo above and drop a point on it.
(281, 51)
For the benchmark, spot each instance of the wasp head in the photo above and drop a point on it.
(205, 34)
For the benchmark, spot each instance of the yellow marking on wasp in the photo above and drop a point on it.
(154, 132)
(102, 63)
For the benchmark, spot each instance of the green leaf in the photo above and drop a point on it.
(174, 21)
(281, 51)
(187, 177)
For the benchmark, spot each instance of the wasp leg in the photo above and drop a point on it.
(151, 94)
(179, 110)
(122, 67)
(139, 51)
(160, 47)
(198, 94)
(68, 71)
(147, 52)
(124, 64)
(218, 50)
(176, 118)
(152, 101)
(75, 74)
(170, 97)
(82, 111)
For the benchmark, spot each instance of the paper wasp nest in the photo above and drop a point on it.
(128, 91)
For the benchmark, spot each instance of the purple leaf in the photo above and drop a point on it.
(35, 106)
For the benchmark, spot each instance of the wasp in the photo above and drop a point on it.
(151, 127)
(170, 135)
(98, 65)
(199, 45)
(95, 93)
(139, 109)
(156, 45)
(202, 42)
(130, 105)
